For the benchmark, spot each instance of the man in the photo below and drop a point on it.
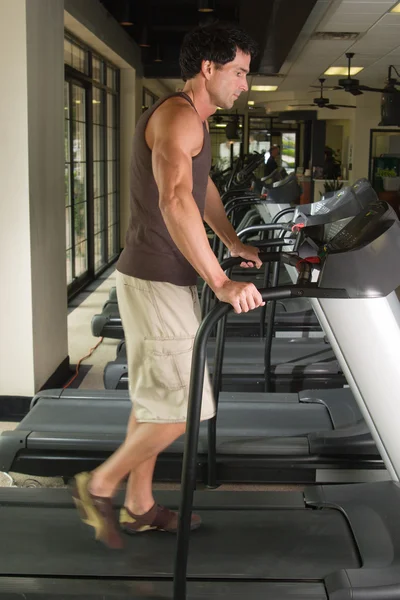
(166, 249)
(271, 163)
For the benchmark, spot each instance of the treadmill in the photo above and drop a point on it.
(323, 543)
(291, 437)
(292, 316)
(357, 288)
(296, 364)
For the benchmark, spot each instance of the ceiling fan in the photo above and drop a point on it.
(352, 85)
(322, 102)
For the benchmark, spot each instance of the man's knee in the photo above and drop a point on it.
(180, 428)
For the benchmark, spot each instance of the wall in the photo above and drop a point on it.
(16, 341)
(33, 308)
(356, 123)
(46, 183)
(367, 118)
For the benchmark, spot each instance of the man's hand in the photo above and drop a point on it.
(250, 253)
(242, 296)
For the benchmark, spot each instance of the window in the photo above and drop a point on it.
(91, 163)
(148, 99)
(265, 132)
(75, 180)
(224, 151)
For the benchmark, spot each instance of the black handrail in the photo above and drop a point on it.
(193, 419)
(247, 231)
(206, 290)
(248, 197)
(270, 332)
(218, 364)
(272, 304)
(230, 213)
(282, 213)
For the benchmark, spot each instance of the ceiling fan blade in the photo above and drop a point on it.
(298, 105)
(331, 106)
(355, 92)
(330, 88)
(366, 88)
(345, 106)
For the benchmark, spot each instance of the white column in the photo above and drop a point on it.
(33, 302)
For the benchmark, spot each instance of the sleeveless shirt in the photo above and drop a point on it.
(150, 252)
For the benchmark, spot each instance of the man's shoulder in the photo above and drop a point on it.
(176, 109)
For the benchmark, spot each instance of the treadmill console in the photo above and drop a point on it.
(362, 229)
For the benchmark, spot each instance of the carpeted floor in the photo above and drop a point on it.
(81, 340)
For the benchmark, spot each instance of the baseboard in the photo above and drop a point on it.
(15, 408)
(60, 376)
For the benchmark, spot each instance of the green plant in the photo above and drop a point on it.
(332, 186)
(386, 173)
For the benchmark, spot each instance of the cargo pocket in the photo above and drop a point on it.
(167, 362)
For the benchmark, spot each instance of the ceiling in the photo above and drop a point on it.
(295, 51)
(165, 22)
(376, 46)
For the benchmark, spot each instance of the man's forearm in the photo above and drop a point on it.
(184, 223)
(215, 217)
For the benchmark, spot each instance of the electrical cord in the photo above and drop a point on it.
(80, 361)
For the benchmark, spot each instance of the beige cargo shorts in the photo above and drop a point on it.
(160, 321)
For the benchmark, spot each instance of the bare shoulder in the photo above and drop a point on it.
(176, 121)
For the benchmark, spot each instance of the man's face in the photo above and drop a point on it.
(225, 84)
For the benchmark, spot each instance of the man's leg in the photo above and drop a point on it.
(144, 444)
(139, 490)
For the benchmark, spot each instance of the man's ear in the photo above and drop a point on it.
(207, 68)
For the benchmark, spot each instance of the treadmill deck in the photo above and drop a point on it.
(244, 536)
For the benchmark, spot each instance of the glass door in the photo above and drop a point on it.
(76, 195)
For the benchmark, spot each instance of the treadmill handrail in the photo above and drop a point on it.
(193, 416)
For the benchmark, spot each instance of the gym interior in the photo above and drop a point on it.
(299, 475)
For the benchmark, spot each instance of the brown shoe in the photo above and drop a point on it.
(97, 512)
(157, 518)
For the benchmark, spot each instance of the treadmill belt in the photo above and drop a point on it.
(126, 589)
(261, 543)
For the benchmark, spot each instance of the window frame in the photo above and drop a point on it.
(85, 80)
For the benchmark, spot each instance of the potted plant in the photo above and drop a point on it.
(390, 179)
(331, 186)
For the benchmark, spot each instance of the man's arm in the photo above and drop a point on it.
(215, 217)
(175, 136)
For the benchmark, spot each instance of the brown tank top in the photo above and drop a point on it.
(150, 253)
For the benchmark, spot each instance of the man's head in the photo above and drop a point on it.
(220, 54)
(274, 151)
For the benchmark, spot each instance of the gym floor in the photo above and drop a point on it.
(90, 376)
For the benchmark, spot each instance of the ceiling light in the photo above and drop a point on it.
(335, 35)
(205, 6)
(144, 38)
(220, 125)
(250, 102)
(125, 17)
(343, 70)
(264, 88)
(396, 8)
(158, 57)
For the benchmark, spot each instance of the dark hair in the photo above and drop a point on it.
(217, 42)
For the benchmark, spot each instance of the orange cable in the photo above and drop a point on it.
(79, 363)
